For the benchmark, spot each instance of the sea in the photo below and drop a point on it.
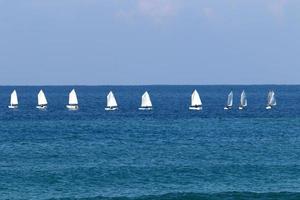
(169, 153)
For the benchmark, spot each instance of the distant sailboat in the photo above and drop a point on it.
(146, 102)
(243, 102)
(73, 101)
(13, 100)
(271, 100)
(42, 101)
(111, 102)
(229, 101)
(196, 103)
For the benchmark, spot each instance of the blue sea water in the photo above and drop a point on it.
(168, 153)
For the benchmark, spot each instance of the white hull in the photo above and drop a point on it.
(111, 109)
(12, 107)
(227, 108)
(195, 108)
(269, 107)
(41, 107)
(73, 107)
(145, 108)
(241, 108)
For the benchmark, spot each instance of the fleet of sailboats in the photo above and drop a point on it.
(111, 102)
(14, 102)
(146, 104)
(196, 103)
(271, 102)
(243, 101)
(73, 101)
(229, 103)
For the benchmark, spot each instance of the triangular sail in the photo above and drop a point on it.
(195, 99)
(111, 100)
(73, 98)
(146, 101)
(271, 99)
(244, 102)
(230, 99)
(14, 98)
(42, 101)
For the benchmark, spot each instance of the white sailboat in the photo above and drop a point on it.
(196, 103)
(73, 101)
(146, 102)
(111, 102)
(14, 100)
(229, 101)
(244, 101)
(42, 100)
(271, 100)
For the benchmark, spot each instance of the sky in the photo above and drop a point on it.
(141, 42)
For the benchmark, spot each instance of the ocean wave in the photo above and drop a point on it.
(203, 196)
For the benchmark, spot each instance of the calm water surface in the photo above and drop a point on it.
(167, 153)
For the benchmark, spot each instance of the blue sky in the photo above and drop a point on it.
(94, 42)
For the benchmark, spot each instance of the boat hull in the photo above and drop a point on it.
(227, 108)
(195, 108)
(12, 107)
(145, 108)
(72, 107)
(241, 108)
(269, 107)
(111, 109)
(41, 107)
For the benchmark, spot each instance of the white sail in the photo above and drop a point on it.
(146, 101)
(14, 98)
(73, 98)
(244, 102)
(42, 101)
(271, 99)
(111, 100)
(195, 99)
(230, 99)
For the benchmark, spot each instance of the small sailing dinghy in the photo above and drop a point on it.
(146, 102)
(13, 100)
(229, 101)
(111, 102)
(196, 103)
(243, 102)
(73, 101)
(42, 101)
(271, 100)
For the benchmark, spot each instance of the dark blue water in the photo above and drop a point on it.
(167, 153)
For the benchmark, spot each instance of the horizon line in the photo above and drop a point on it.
(135, 85)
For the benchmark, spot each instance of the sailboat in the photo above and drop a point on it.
(196, 103)
(271, 100)
(13, 100)
(73, 101)
(243, 102)
(229, 101)
(111, 102)
(146, 102)
(42, 101)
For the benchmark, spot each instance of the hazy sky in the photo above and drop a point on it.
(149, 42)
